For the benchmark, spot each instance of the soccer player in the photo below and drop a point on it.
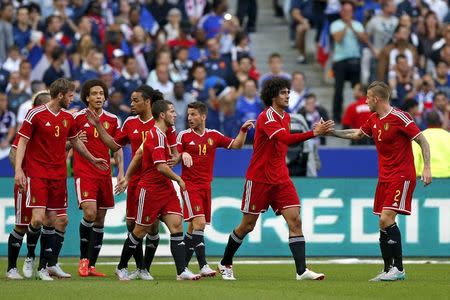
(197, 146)
(42, 143)
(267, 180)
(157, 195)
(92, 185)
(134, 131)
(392, 130)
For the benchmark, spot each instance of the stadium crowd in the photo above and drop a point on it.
(196, 50)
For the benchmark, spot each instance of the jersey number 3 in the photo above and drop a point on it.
(57, 131)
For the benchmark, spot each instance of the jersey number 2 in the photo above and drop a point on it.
(379, 135)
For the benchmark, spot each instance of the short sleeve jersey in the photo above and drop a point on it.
(392, 135)
(47, 134)
(134, 131)
(81, 167)
(268, 162)
(202, 149)
(155, 150)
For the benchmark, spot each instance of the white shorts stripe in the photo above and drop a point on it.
(28, 192)
(404, 194)
(19, 208)
(248, 193)
(140, 205)
(188, 203)
(78, 187)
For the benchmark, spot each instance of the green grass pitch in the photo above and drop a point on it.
(426, 281)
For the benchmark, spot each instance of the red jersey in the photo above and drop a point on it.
(81, 167)
(134, 132)
(202, 148)
(268, 162)
(356, 114)
(47, 134)
(392, 135)
(155, 150)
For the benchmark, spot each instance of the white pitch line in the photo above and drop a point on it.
(343, 261)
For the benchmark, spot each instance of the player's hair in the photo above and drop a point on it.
(86, 89)
(380, 90)
(159, 107)
(146, 91)
(156, 96)
(61, 85)
(199, 106)
(433, 119)
(272, 87)
(39, 97)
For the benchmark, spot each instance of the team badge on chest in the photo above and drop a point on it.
(65, 123)
(210, 141)
(386, 126)
(106, 125)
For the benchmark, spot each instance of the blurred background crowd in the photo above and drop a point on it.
(204, 50)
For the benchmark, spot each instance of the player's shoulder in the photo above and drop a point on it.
(213, 132)
(266, 115)
(110, 116)
(130, 120)
(400, 116)
(79, 114)
(34, 112)
(181, 134)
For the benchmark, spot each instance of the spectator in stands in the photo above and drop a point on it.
(425, 93)
(240, 48)
(380, 30)
(212, 23)
(4, 78)
(117, 107)
(129, 81)
(140, 43)
(197, 86)
(346, 33)
(25, 76)
(441, 106)
(107, 76)
(196, 9)
(35, 86)
(441, 79)
(162, 81)
(247, 67)
(7, 123)
(248, 106)
(182, 63)
(441, 54)
(357, 113)
(43, 62)
(430, 34)
(173, 26)
(12, 62)
(117, 63)
(53, 29)
(298, 92)
(22, 30)
(313, 113)
(230, 29)
(90, 68)
(16, 95)
(247, 8)
(55, 70)
(6, 29)
(439, 7)
(400, 45)
(403, 80)
(198, 52)
(275, 69)
(180, 99)
(217, 64)
(439, 139)
(300, 24)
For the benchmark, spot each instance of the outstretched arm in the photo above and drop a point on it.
(349, 134)
(240, 138)
(425, 147)
(322, 128)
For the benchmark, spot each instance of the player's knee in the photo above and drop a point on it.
(295, 223)
(20, 228)
(139, 231)
(385, 221)
(62, 222)
(248, 227)
(177, 226)
(199, 224)
(130, 225)
(37, 221)
(154, 229)
(90, 214)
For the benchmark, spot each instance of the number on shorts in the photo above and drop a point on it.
(397, 194)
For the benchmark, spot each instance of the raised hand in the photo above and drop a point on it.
(92, 117)
(248, 124)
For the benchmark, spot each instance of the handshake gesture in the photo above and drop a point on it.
(323, 127)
